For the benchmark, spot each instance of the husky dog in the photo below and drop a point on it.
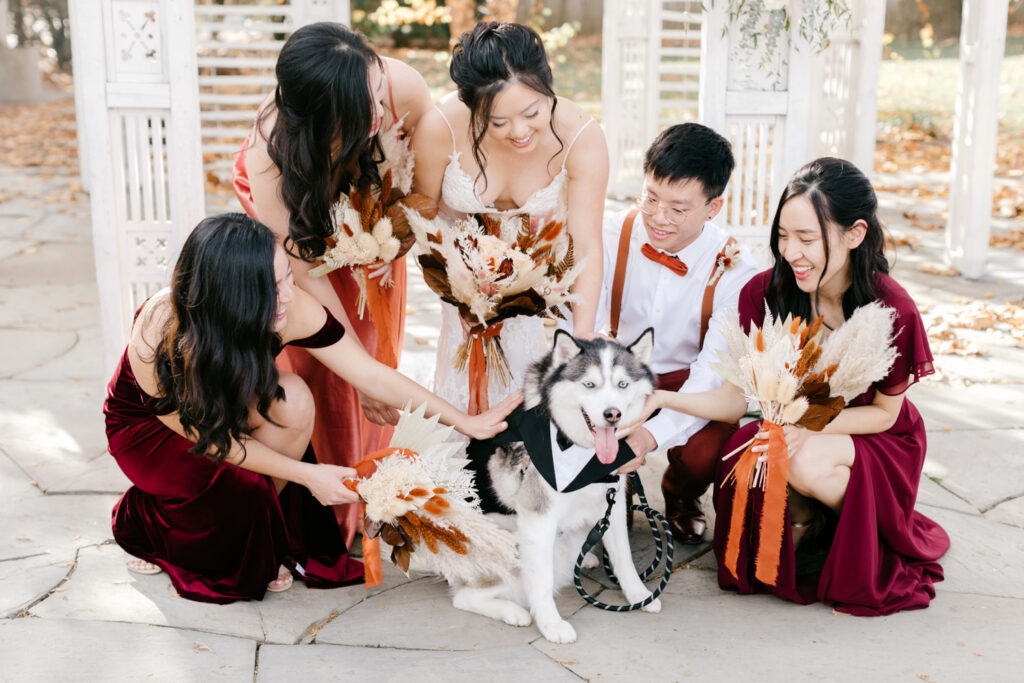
(552, 469)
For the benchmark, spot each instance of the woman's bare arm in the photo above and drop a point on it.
(347, 359)
(587, 166)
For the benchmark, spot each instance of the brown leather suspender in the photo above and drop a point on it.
(708, 304)
(619, 280)
(620, 272)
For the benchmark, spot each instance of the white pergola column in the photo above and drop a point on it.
(982, 42)
(137, 106)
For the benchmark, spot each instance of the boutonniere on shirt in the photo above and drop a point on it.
(726, 259)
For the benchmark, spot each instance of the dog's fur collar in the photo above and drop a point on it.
(532, 428)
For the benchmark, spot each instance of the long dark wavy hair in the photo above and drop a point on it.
(841, 195)
(216, 355)
(487, 58)
(322, 98)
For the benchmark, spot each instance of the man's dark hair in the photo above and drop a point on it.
(691, 151)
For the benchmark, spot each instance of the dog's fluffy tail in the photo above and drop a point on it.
(492, 556)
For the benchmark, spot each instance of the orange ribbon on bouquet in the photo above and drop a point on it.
(773, 510)
(478, 402)
(373, 570)
(380, 314)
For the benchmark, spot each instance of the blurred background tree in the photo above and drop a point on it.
(44, 23)
(435, 24)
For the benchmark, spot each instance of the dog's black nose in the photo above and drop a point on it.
(612, 415)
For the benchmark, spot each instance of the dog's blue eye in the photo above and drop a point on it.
(589, 385)
(623, 384)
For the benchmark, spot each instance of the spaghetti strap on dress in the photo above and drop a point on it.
(522, 338)
(218, 530)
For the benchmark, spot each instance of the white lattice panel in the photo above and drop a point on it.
(650, 64)
(843, 117)
(748, 202)
(138, 112)
(678, 61)
(765, 115)
(237, 47)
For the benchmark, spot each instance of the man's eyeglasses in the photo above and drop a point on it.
(649, 206)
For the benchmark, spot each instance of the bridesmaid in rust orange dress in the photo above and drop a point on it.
(334, 94)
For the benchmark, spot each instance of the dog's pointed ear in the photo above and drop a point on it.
(643, 346)
(565, 348)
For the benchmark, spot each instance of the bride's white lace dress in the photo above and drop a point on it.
(522, 337)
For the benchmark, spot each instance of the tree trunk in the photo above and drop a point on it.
(56, 17)
(18, 21)
(463, 15)
(502, 10)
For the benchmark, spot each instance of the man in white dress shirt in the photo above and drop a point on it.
(681, 274)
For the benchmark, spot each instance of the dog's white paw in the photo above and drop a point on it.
(654, 607)
(590, 560)
(515, 615)
(558, 631)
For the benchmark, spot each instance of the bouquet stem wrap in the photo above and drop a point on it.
(771, 467)
(373, 570)
(380, 315)
(479, 353)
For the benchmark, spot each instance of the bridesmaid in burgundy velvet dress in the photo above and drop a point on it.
(853, 539)
(215, 439)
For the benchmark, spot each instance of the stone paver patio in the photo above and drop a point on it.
(68, 606)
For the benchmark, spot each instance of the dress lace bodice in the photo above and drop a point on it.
(522, 338)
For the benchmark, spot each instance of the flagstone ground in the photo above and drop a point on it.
(68, 606)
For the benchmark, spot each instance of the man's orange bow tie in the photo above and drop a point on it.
(667, 260)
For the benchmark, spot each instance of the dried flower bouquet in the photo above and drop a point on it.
(468, 264)
(418, 496)
(796, 376)
(370, 229)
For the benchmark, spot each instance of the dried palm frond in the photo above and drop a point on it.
(418, 496)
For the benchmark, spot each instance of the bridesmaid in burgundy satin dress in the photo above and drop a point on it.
(215, 439)
(853, 539)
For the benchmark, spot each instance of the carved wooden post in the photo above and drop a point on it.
(845, 76)
(626, 87)
(140, 111)
(765, 119)
(982, 41)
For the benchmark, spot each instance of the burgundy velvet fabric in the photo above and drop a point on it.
(219, 531)
(883, 554)
(691, 467)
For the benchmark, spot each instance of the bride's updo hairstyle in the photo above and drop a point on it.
(489, 57)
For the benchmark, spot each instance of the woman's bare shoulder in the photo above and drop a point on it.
(570, 117)
(147, 333)
(412, 96)
(404, 76)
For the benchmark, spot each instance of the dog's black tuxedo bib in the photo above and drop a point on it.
(533, 429)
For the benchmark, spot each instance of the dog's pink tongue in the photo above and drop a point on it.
(605, 444)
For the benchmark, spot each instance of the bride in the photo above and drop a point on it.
(508, 145)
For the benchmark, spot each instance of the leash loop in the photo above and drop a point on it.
(663, 549)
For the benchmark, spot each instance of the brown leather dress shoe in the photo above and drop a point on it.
(685, 519)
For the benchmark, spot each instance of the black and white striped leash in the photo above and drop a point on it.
(663, 547)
